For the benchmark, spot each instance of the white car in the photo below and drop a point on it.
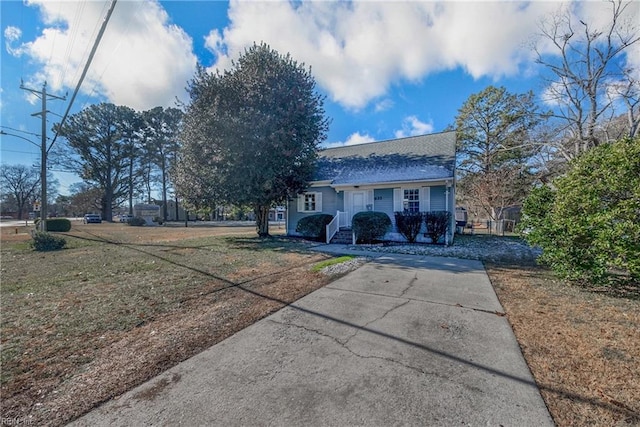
(126, 218)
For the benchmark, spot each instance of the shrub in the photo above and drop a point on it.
(438, 223)
(370, 226)
(314, 226)
(158, 220)
(58, 224)
(589, 226)
(409, 224)
(137, 221)
(47, 242)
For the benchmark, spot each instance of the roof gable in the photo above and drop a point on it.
(417, 158)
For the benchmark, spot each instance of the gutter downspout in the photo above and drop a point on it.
(446, 206)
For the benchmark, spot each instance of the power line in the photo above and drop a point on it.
(86, 69)
(23, 131)
(20, 152)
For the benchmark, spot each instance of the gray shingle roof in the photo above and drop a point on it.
(417, 158)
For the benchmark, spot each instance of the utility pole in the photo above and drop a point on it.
(43, 95)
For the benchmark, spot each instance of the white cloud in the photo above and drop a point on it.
(143, 60)
(383, 105)
(412, 126)
(12, 35)
(358, 49)
(353, 139)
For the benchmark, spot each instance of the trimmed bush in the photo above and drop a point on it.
(314, 226)
(438, 223)
(370, 226)
(58, 224)
(43, 242)
(409, 224)
(137, 221)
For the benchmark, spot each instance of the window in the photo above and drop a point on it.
(310, 202)
(411, 202)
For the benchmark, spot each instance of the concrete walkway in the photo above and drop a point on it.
(401, 341)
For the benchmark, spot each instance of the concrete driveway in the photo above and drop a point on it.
(401, 341)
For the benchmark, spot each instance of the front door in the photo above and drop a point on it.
(358, 202)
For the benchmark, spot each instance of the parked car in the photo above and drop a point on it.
(126, 218)
(89, 218)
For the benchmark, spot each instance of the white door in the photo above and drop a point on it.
(358, 202)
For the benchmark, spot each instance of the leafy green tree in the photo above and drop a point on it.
(493, 132)
(98, 150)
(251, 133)
(588, 226)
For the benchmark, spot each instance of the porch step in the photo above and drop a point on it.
(342, 237)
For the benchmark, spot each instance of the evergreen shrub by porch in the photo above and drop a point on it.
(370, 226)
(137, 221)
(409, 224)
(58, 224)
(314, 226)
(438, 223)
(43, 242)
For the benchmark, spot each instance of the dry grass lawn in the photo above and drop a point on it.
(122, 304)
(582, 345)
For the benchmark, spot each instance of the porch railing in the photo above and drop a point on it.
(343, 219)
(340, 220)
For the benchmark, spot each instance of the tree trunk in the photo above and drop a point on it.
(262, 220)
(131, 186)
(164, 191)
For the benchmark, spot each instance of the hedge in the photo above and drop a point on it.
(55, 224)
(137, 221)
(370, 226)
(314, 226)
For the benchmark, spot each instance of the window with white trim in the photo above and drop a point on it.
(310, 202)
(411, 200)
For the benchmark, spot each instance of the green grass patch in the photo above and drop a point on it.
(333, 261)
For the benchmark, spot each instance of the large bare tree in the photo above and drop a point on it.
(22, 183)
(586, 67)
(20, 186)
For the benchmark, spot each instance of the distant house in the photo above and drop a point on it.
(278, 213)
(414, 174)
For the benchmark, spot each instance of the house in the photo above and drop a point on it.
(277, 214)
(415, 174)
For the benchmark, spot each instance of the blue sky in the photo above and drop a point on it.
(388, 69)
